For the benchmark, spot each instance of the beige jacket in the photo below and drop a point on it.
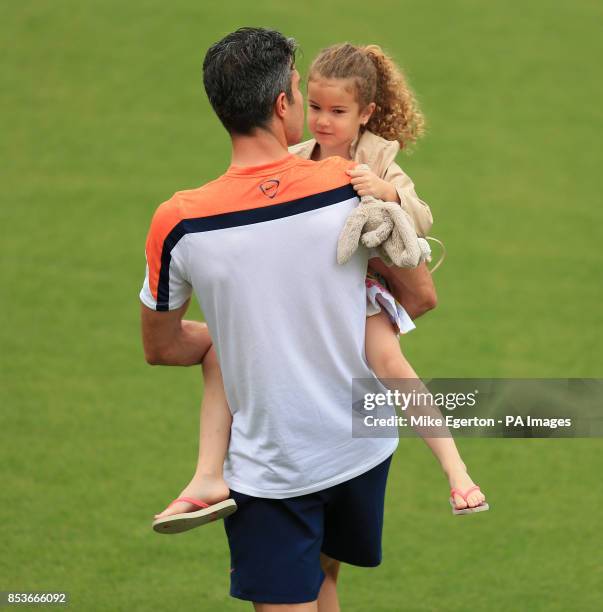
(380, 154)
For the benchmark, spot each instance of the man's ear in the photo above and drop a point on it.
(280, 106)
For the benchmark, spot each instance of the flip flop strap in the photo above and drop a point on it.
(459, 492)
(191, 500)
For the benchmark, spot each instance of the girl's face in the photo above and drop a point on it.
(334, 115)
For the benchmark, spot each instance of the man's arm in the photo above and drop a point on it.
(412, 287)
(168, 340)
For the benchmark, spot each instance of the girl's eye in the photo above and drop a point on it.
(338, 111)
(313, 107)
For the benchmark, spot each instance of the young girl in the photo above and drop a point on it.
(360, 108)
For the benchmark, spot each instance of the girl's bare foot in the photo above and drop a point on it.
(210, 489)
(459, 479)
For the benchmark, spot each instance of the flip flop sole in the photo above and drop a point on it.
(481, 508)
(177, 523)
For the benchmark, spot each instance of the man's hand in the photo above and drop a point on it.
(168, 340)
(366, 182)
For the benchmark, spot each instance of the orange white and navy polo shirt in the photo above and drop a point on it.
(258, 248)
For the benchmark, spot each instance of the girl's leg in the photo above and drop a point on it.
(208, 482)
(327, 596)
(387, 362)
(215, 420)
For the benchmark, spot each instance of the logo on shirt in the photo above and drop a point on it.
(270, 188)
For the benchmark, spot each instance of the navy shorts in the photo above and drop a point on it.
(275, 544)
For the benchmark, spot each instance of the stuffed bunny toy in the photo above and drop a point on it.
(386, 227)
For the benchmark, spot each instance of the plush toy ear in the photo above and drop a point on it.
(425, 249)
(350, 234)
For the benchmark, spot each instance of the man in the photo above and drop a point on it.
(258, 247)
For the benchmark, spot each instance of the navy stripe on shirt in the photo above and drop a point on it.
(237, 219)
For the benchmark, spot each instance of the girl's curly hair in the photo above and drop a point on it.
(377, 78)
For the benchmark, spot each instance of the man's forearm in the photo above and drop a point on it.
(412, 287)
(414, 305)
(188, 346)
(168, 339)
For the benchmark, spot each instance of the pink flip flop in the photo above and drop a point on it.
(483, 506)
(177, 523)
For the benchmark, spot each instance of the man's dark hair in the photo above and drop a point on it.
(243, 75)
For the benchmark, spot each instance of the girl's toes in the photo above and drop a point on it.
(175, 509)
(459, 502)
(476, 500)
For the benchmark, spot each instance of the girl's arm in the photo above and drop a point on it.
(393, 186)
(404, 191)
(412, 287)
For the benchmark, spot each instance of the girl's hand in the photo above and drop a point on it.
(366, 182)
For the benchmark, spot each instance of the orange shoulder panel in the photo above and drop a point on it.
(166, 217)
(296, 180)
(318, 177)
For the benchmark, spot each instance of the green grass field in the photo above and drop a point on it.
(105, 117)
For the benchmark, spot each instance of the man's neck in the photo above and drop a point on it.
(263, 147)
